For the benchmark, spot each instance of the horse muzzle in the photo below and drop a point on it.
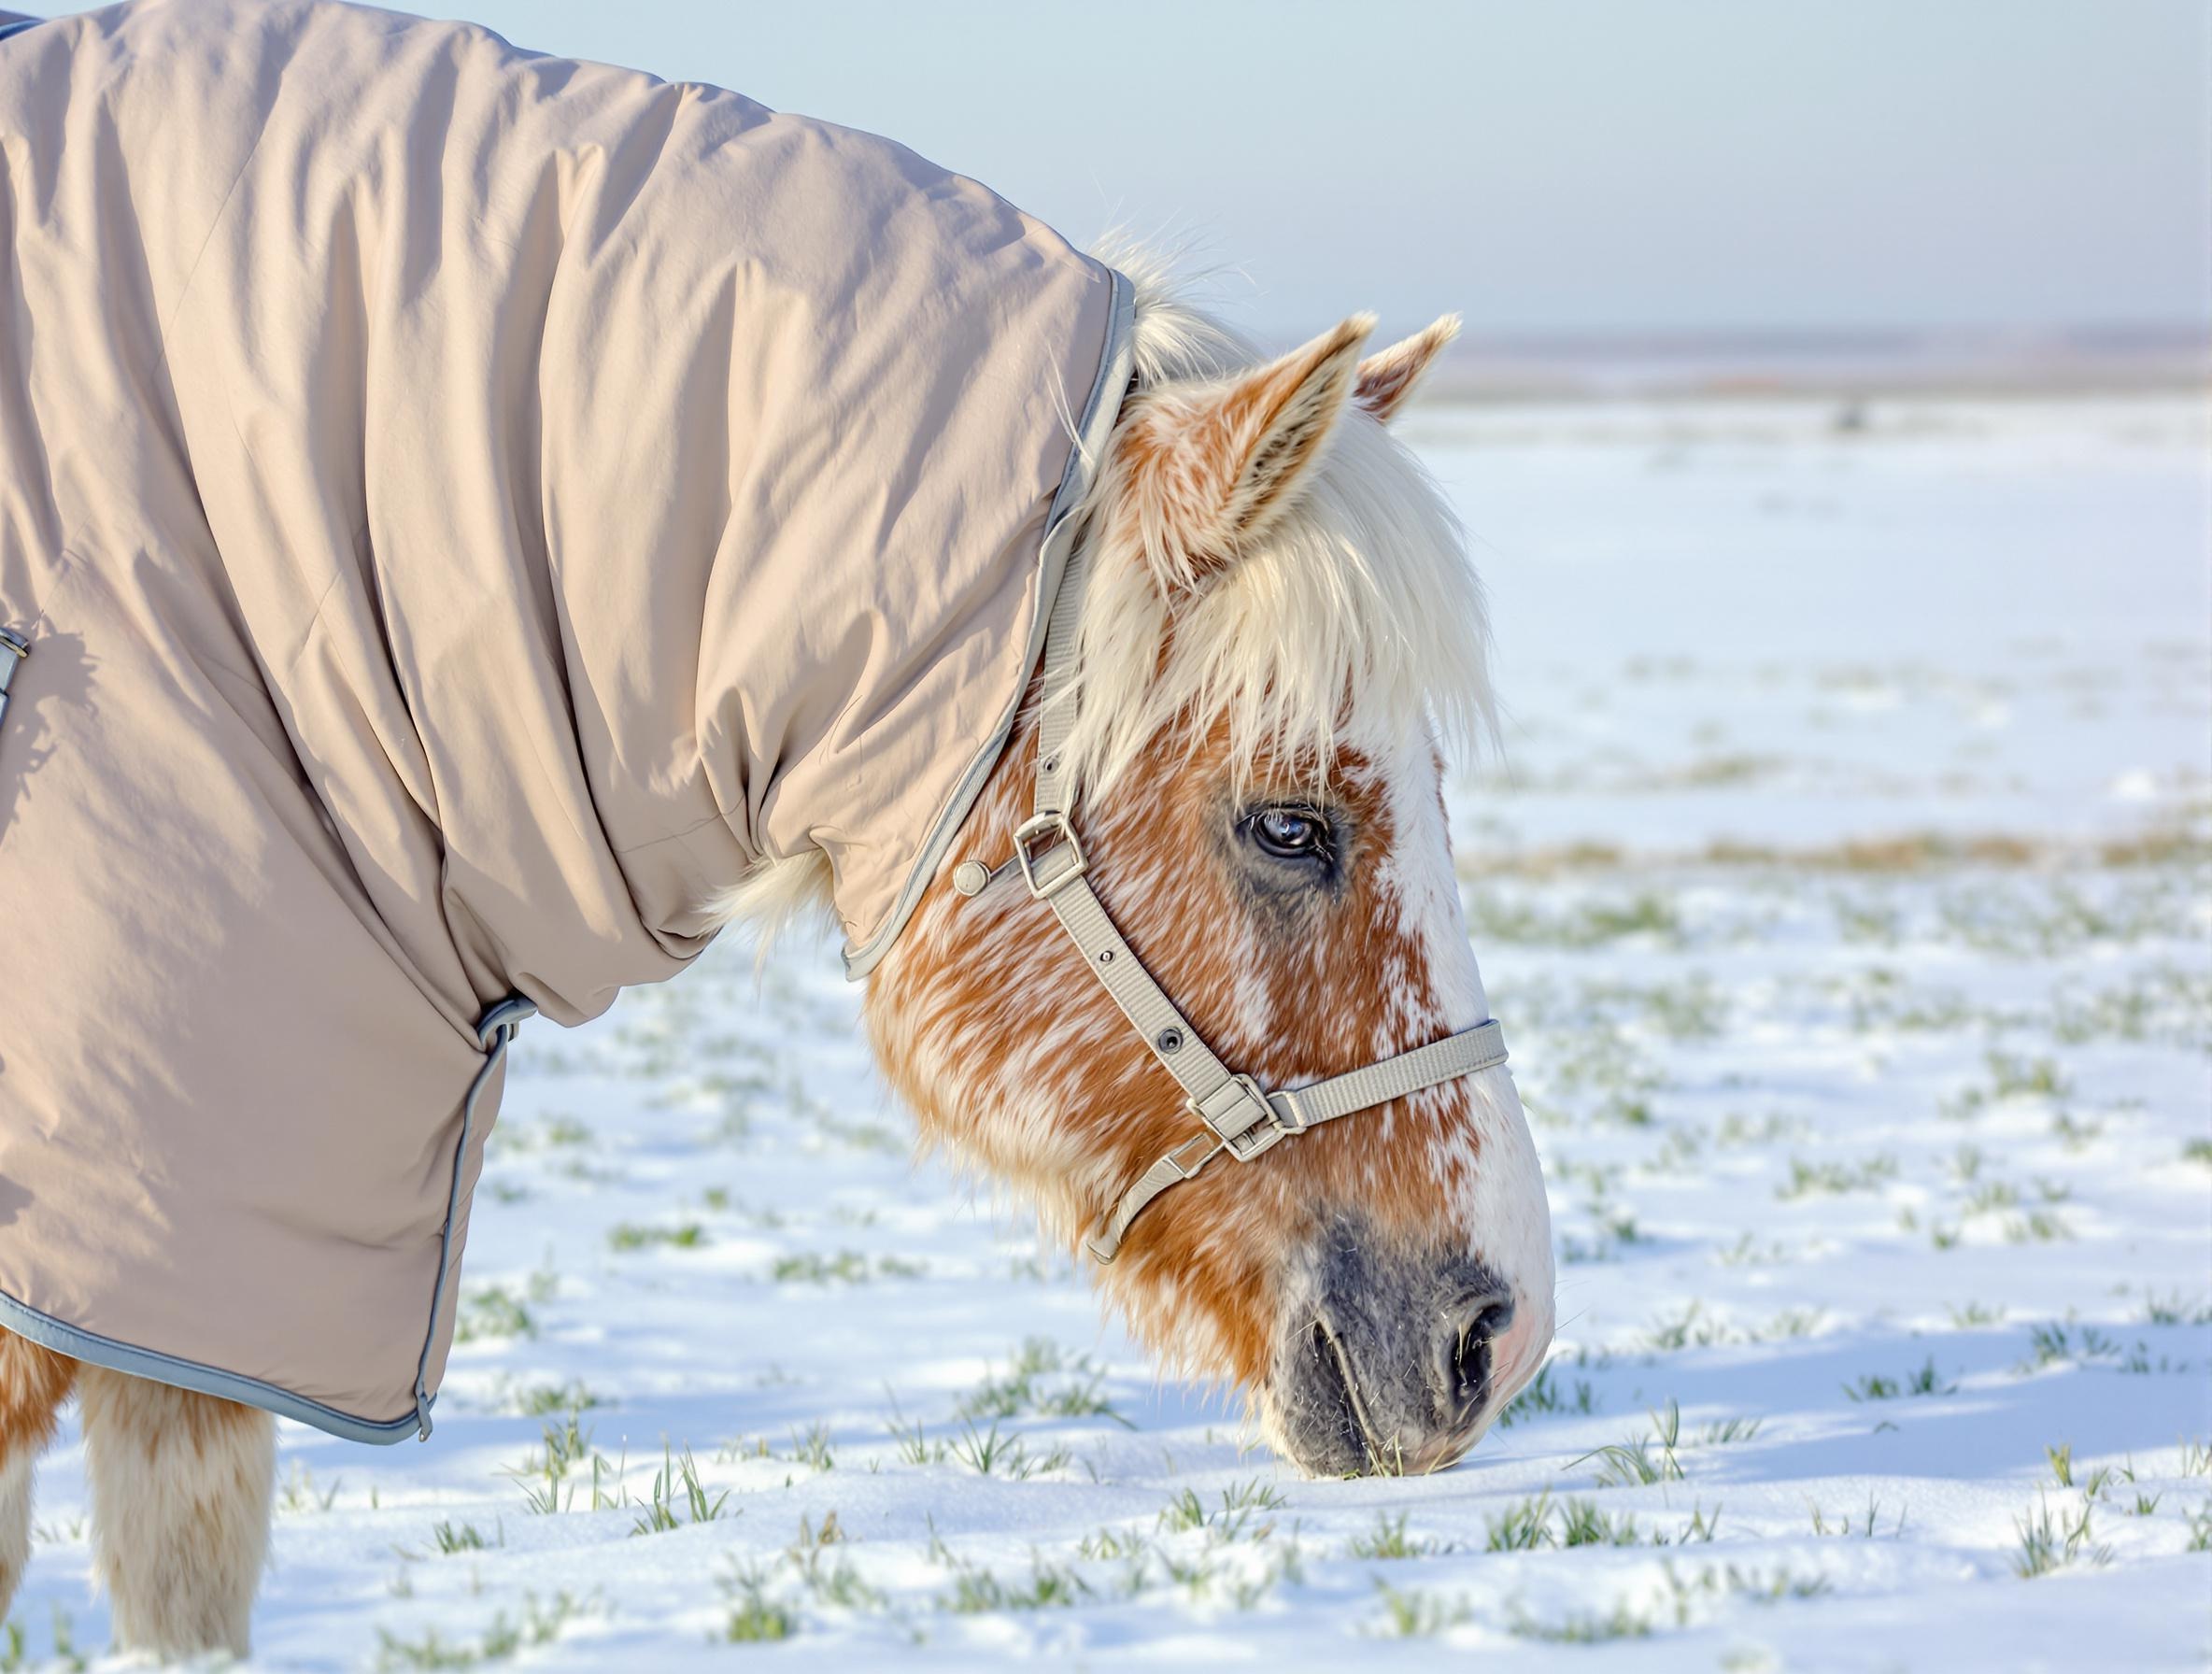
(1395, 1362)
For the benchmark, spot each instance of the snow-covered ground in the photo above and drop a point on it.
(1843, 887)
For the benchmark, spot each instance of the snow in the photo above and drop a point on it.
(1842, 887)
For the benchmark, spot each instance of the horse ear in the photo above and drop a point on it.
(1387, 378)
(1211, 466)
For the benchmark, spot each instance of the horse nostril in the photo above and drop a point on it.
(1477, 1325)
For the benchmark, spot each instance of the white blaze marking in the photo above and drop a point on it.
(1503, 1205)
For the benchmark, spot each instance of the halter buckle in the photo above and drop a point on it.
(1263, 1134)
(1028, 851)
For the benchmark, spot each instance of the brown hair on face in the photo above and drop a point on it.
(1017, 1059)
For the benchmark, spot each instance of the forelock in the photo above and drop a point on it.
(1355, 618)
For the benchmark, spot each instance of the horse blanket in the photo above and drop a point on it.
(462, 509)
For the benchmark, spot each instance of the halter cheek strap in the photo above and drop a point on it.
(1239, 1116)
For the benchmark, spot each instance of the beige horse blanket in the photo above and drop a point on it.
(463, 508)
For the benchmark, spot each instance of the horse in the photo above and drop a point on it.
(1192, 976)
(1280, 631)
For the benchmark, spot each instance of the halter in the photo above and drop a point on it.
(1238, 1114)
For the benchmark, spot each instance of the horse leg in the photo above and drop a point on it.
(180, 1511)
(33, 1382)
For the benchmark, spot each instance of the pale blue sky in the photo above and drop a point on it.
(1575, 167)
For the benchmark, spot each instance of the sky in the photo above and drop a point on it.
(1579, 168)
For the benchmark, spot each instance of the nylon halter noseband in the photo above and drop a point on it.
(1238, 1114)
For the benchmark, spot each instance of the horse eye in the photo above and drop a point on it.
(1289, 833)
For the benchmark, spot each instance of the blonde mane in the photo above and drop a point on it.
(1356, 617)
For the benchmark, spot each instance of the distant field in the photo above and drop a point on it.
(1845, 885)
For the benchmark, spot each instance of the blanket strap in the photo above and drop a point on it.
(12, 652)
(494, 1034)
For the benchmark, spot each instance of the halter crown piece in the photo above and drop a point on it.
(1239, 1116)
